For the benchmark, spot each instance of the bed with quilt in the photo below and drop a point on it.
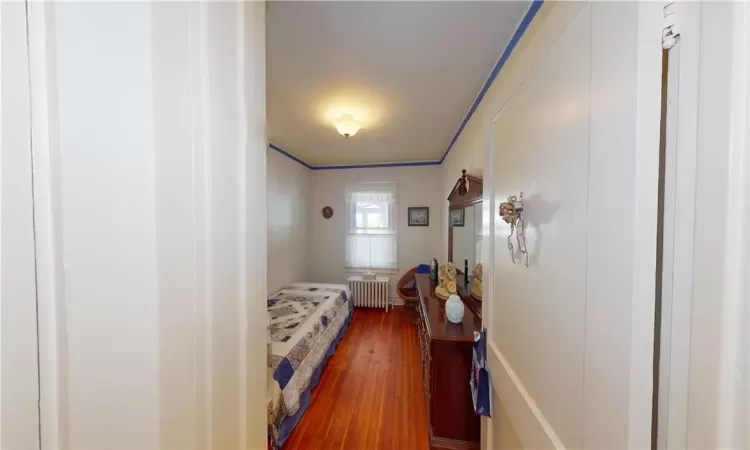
(307, 321)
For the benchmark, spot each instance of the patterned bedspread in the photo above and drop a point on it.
(305, 318)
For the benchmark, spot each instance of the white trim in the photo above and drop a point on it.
(2, 149)
(51, 284)
(256, 242)
(204, 177)
(488, 261)
(2, 152)
(679, 232)
(199, 339)
(242, 232)
(517, 398)
(730, 421)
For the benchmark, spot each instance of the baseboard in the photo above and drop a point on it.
(397, 301)
(531, 426)
(441, 443)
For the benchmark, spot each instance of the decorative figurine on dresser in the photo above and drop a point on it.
(447, 278)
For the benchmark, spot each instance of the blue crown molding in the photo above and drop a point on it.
(533, 9)
(288, 155)
(372, 166)
(522, 27)
(351, 166)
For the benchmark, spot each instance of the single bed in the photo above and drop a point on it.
(307, 321)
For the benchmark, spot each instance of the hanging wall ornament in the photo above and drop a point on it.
(512, 213)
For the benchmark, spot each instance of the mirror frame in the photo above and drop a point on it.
(458, 199)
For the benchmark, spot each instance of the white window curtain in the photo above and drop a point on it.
(371, 240)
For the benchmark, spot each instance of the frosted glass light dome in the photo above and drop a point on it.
(347, 126)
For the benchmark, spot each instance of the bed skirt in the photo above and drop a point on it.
(288, 424)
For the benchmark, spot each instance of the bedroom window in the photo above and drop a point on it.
(371, 241)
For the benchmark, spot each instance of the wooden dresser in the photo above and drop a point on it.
(446, 366)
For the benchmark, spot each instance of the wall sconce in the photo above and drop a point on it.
(347, 126)
(511, 212)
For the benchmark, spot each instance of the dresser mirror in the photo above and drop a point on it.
(465, 237)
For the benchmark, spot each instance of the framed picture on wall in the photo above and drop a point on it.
(457, 217)
(419, 216)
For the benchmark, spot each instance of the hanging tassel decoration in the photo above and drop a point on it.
(511, 212)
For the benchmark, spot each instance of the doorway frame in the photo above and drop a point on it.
(687, 383)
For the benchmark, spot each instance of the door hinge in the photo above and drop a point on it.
(671, 30)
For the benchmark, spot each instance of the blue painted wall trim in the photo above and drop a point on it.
(533, 9)
(352, 166)
(371, 166)
(530, 14)
(288, 155)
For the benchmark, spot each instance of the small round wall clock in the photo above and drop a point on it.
(327, 212)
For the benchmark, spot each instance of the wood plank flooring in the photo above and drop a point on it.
(370, 394)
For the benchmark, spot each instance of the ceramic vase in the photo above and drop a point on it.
(454, 309)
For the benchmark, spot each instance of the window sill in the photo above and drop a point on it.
(361, 270)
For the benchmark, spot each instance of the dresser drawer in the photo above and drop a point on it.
(445, 353)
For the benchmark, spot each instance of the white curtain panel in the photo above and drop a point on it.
(372, 251)
(374, 243)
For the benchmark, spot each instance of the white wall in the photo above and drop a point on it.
(19, 427)
(150, 146)
(504, 436)
(288, 216)
(577, 109)
(417, 186)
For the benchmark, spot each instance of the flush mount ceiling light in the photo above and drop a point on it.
(347, 126)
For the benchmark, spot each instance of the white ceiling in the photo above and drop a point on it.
(409, 71)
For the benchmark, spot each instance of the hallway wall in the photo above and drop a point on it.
(575, 132)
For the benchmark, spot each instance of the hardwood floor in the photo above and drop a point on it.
(370, 394)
